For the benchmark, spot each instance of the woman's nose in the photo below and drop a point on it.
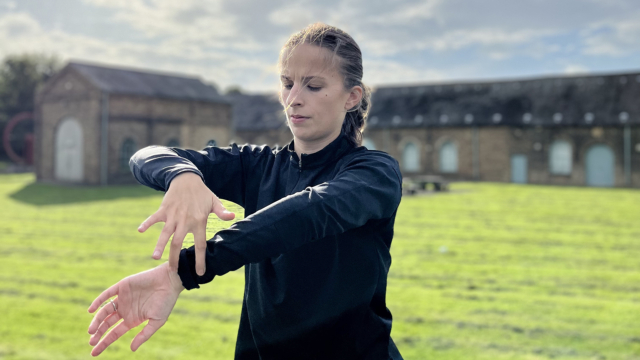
(295, 96)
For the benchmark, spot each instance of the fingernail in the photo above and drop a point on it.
(156, 254)
(227, 212)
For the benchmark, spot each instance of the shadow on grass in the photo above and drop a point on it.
(48, 194)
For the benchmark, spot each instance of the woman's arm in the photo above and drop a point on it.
(188, 200)
(367, 188)
(223, 170)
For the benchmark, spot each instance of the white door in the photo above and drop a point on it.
(68, 158)
(519, 169)
(600, 164)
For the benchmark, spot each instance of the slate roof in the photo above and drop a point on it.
(257, 112)
(135, 82)
(595, 100)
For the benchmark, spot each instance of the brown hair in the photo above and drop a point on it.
(346, 53)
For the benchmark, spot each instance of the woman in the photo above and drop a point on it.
(319, 222)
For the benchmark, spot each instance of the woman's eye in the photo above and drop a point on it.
(312, 88)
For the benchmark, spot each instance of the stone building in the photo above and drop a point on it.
(90, 119)
(580, 130)
(259, 119)
(575, 130)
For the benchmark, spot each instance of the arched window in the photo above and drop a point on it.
(448, 157)
(560, 158)
(211, 143)
(127, 150)
(173, 143)
(410, 157)
(368, 143)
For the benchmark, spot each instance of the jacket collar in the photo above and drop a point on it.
(331, 152)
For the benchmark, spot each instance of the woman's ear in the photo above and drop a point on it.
(355, 95)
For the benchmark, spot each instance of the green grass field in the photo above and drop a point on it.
(486, 271)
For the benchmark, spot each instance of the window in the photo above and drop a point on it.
(127, 150)
(211, 143)
(448, 157)
(560, 158)
(368, 143)
(173, 143)
(410, 157)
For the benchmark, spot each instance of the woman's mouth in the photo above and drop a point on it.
(296, 119)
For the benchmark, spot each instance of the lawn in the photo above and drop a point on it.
(486, 271)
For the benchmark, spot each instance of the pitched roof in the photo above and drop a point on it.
(596, 100)
(136, 82)
(257, 112)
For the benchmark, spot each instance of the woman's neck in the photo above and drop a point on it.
(310, 147)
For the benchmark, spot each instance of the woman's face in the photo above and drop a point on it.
(314, 96)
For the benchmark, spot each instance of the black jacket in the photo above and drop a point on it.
(314, 242)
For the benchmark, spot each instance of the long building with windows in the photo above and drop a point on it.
(567, 130)
(574, 130)
(579, 130)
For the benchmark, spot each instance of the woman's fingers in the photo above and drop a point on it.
(176, 246)
(167, 230)
(108, 293)
(200, 240)
(146, 333)
(102, 314)
(111, 320)
(154, 218)
(220, 211)
(112, 336)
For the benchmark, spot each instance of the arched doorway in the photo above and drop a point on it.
(368, 143)
(448, 157)
(410, 157)
(69, 164)
(519, 167)
(128, 148)
(600, 166)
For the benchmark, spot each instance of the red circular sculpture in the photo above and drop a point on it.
(28, 154)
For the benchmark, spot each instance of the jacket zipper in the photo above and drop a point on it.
(300, 164)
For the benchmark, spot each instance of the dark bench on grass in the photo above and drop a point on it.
(420, 183)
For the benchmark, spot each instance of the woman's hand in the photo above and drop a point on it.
(185, 209)
(149, 295)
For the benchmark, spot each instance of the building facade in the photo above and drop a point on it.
(582, 130)
(90, 119)
(577, 130)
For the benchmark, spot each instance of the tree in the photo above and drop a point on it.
(233, 89)
(20, 75)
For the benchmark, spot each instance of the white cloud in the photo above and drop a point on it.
(613, 38)
(238, 41)
(575, 69)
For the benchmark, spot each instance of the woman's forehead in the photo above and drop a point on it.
(307, 61)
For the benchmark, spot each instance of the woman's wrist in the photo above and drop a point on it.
(186, 176)
(174, 278)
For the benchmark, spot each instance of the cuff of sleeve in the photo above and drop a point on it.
(172, 176)
(187, 269)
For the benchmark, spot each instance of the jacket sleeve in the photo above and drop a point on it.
(366, 188)
(221, 169)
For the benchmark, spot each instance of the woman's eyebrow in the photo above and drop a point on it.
(304, 79)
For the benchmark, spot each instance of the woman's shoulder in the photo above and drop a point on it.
(374, 158)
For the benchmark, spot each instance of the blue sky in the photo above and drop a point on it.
(237, 42)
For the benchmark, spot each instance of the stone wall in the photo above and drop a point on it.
(69, 96)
